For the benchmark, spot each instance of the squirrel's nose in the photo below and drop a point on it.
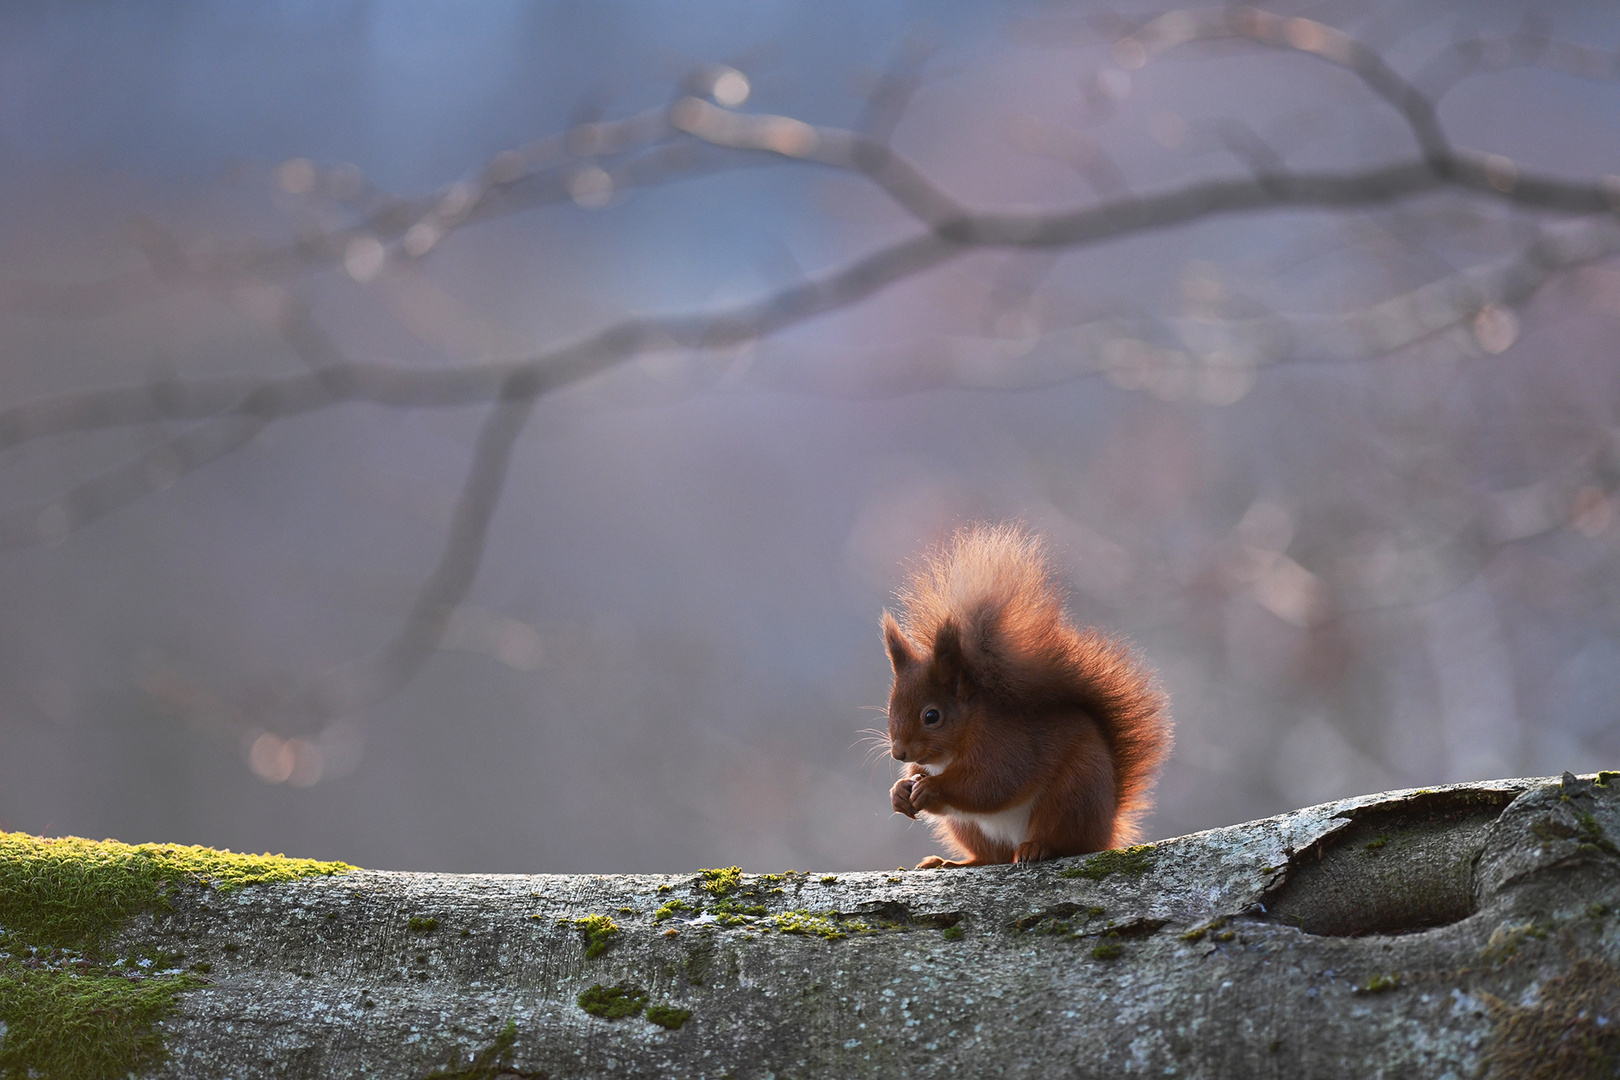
(898, 752)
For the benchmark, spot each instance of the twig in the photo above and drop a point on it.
(694, 135)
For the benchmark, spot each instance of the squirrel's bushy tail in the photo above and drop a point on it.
(994, 584)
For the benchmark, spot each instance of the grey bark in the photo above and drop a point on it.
(1461, 931)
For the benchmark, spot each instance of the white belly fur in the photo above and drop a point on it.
(1009, 826)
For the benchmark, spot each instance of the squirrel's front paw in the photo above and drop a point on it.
(923, 793)
(900, 797)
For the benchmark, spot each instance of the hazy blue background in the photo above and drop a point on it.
(672, 643)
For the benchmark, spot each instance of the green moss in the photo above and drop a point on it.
(1108, 950)
(672, 909)
(74, 893)
(1505, 940)
(1198, 933)
(830, 879)
(1379, 984)
(423, 924)
(668, 1016)
(737, 901)
(1131, 861)
(814, 924)
(598, 932)
(951, 933)
(613, 1002)
(1592, 836)
(1605, 778)
(721, 882)
(72, 1012)
(728, 907)
(488, 1063)
(664, 889)
(88, 1027)
(1589, 836)
(1372, 847)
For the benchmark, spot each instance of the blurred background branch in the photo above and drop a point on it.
(1412, 490)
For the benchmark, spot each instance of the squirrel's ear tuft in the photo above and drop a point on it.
(901, 653)
(949, 662)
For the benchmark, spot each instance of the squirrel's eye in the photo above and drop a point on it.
(930, 716)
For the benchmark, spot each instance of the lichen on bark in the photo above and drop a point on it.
(72, 1006)
(1400, 934)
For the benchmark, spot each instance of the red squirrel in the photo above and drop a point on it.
(1024, 738)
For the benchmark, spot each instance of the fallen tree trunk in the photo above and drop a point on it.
(1466, 930)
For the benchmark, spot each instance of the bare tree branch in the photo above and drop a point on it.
(893, 90)
(693, 136)
(352, 686)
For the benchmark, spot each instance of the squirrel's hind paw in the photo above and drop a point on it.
(1029, 851)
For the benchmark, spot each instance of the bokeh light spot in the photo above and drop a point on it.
(1592, 513)
(271, 758)
(420, 238)
(1495, 328)
(730, 88)
(518, 646)
(296, 176)
(1307, 35)
(1129, 54)
(364, 258)
(306, 763)
(1500, 172)
(591, 187)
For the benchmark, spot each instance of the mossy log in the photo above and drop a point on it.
(1461, 931)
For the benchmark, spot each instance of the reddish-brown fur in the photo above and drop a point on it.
(1029, 708)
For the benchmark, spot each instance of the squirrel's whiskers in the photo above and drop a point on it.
(876, 742)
